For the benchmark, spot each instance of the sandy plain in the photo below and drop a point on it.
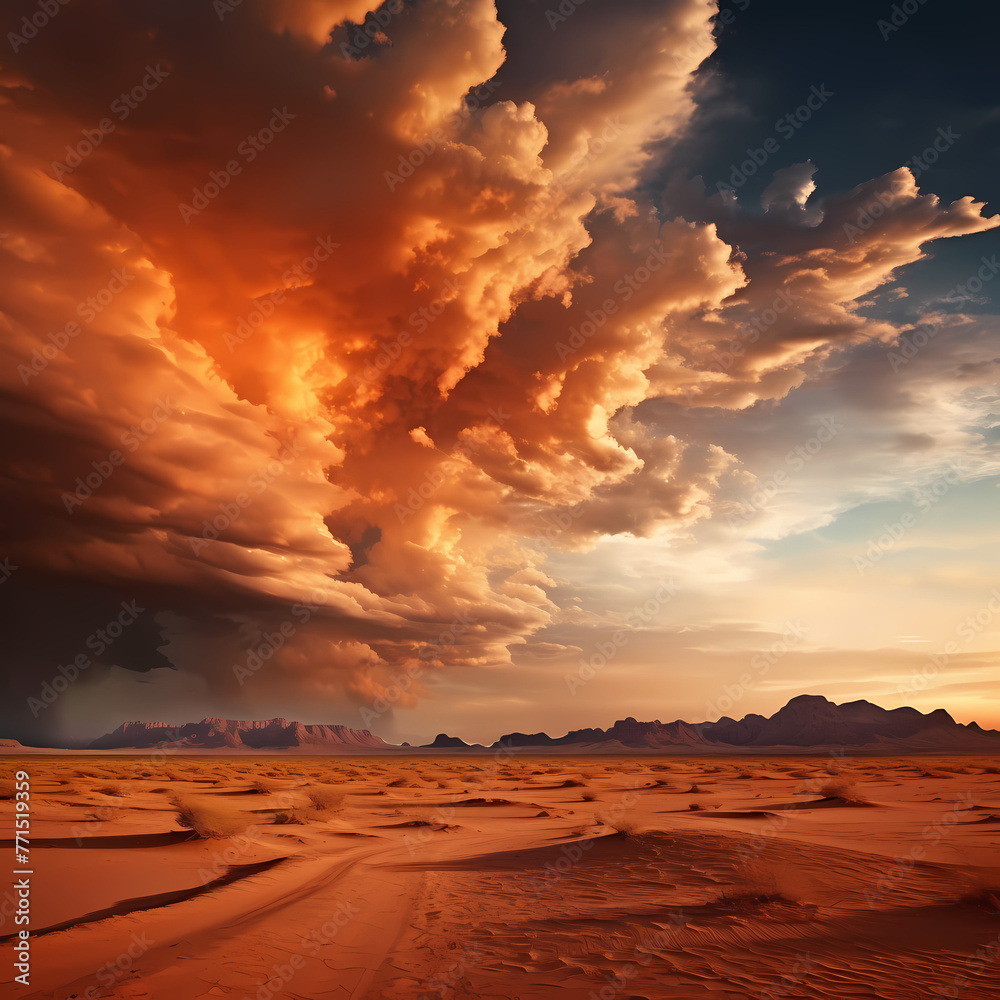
(509, 876)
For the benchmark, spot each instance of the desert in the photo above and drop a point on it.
(509, 875)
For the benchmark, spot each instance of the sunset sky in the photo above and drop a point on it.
(497, 368)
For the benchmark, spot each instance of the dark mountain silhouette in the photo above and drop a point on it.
(233, 734)
(806, 721)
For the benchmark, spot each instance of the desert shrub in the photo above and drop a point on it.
(589, 797)
(210, 820)
(625, 824)
(116, 788)
(326, 799)
(843, 790)
(7, 789)
(289, 817)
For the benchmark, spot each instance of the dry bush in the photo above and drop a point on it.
(209, 819)
(843, 790)
(289, 816)
(117, 788)
(262, 786)
(325, 799)
(589, 797)
(7, 789)
(625, 824)
(693, 806)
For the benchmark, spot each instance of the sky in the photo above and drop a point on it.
(473, 368)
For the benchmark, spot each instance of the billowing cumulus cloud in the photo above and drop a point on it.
(308, 343)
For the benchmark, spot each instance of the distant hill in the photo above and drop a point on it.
(232, 734)
(806, 721)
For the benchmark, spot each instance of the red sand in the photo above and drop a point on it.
(879, 881)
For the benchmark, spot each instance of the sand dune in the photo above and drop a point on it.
(527, 877)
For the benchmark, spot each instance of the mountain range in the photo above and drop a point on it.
(238, 735)
(806, 721)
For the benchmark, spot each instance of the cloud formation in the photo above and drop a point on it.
(319, 346)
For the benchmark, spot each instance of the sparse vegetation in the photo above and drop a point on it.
(117, 788)
(844, 791)
(626, 824)
(326, 799)
(210, 820)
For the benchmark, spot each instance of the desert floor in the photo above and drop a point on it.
(175, 877)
